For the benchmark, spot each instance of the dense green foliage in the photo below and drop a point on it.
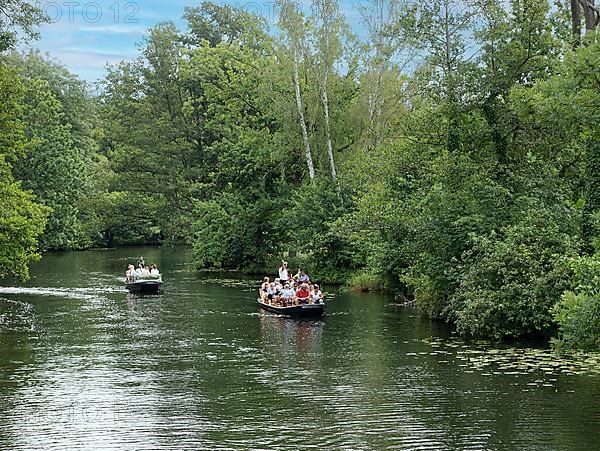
(494, 181)
(578, 312)
(452, 154)
(62, 164)
(22, 220)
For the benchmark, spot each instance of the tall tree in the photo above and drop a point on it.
(575, 23)
(153, 148)
(52, 167)
(61, 118)
(443, 34)
(22, 220)
(517, 48)
(292, 23)
(329, 25)
(387, 54)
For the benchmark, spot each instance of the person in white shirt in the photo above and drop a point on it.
(316, 296)
(264, 287)
(288, 294)
(154, 270)
(130, 275)
(272, 294)
(284, 274)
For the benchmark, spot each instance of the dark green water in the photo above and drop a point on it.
(84, 365)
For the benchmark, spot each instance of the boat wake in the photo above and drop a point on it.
(73, 293)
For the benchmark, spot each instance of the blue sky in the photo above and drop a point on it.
(86, 35)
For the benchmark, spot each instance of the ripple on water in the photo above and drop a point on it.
(71, 293)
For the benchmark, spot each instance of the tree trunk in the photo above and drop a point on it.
(591, 15)
(453, 139)
(375, 108)
(325, 101)
(309, 161)
(576, 23)
(326, 12)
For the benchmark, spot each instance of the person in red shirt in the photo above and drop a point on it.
(303, 293)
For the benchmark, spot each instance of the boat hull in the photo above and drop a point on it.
(144, 286)
(300, 311)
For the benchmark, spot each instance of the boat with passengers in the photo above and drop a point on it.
(299, 310)
(150, 285)
(291, 296)
(144, 279)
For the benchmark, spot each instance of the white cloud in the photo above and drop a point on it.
(88, 59)
(113, 29)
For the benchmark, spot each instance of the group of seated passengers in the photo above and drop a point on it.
(142, 271)
(287, 292)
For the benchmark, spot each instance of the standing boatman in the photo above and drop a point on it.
(284, 274)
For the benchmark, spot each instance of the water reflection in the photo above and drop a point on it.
(131, 302)
(285, 338)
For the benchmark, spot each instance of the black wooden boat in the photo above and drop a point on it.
(144, 286)
(302, 310)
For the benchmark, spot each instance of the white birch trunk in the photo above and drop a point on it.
(309, 161)
(375, 109)
(325, 101)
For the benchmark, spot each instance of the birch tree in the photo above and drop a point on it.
(328, 30)
(291, 22)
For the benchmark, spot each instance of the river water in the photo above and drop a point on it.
(84, 365)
